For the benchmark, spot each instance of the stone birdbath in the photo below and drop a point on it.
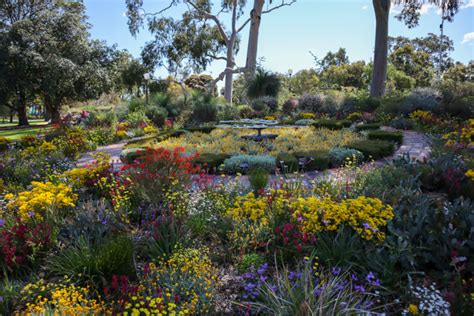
(256, 124)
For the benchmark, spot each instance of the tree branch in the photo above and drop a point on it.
(212, 17)
(283, 4)
(244, 25)
(216, 57)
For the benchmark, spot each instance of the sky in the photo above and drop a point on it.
(288, 35)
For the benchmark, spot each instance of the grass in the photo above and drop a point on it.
(37, 126)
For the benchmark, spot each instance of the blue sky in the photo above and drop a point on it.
(288, 34)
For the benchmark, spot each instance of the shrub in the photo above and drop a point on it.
(287, 162)
(307, 115)
(396, 137)
(369, 104)
(211, 161)
(290, 106)
(305, 122)
(368, 126)
(235, 164)
(156, 115)
(427, 99)
(228, 112)
(4, 143)
(265, 104)
(258, 179)
(135, 119)
(264, 84)
(330, 124)
(311, 103)
(374, 149)
(401, 123)
(101, 136)
(115, 257)
(201, 129)
(462, 108)
(251, 260)
(205, 109)
(340, 156)
(315, 160)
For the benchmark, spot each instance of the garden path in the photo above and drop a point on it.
(113, 150)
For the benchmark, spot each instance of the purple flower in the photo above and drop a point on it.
(263, 278)
(335, 271)
(370, 276)
(31, 214)
(2, 222)
(248, 275)
(354, 277)
(263, 268)
(360, 288)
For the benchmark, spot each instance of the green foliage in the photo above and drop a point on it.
(290, 106)
(340, 156)
(396, 136)
(265, 104)
(311, 103)
(368, 126)
(115, 257)
(374, 149)
(264, 84)
(101, 136)
(401, 123)
(368, 104)
(135, 119)
(211, 161)
(331, 124)
(425, 99)
(204, 108)
(235, 163)
(156, 115)
(315, 159)
(250, 260)
(287, 162)
(258, 179)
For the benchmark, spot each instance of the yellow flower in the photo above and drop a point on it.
(469, 174)
(413, 309)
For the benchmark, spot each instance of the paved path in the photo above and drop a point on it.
(416, 145)
(113, 150)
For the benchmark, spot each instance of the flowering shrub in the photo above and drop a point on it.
(184, 285)
(423, 117)
(158, 172)
(355, 116)
(367, 216)
(72, 142)
(21, 243)
(41, 198)
(307, 115)
(150, 129)
(463, 138)
(63, 298)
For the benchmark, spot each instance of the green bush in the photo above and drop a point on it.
(201, 129)
(129, 155)
(204, 109)
(369, 104)
(115, 257)
(258, 179)
(396, 137)
(287, 162)
(233, 164)
(340, 156)
(462, 108)
(4, 143)
(368, 126)
(211, 161)
(316, 159)
(265, 104)
(329, 124)
(251, 260)
(374, 149)
(401, 123)
(156, 115)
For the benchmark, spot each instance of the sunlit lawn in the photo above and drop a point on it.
(37, 126)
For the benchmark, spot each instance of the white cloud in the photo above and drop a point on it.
(468, 37)
(365, 7)
(468, 4)
(395, 9)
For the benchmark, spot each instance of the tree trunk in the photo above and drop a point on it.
(256, 16)
(55, 115)
(11, 116)
(22, 116)
(229, 71)
(379, 68)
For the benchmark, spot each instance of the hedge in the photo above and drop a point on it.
(320, 159)
(374, 149)
(210, 161)
(368, 126)
(331, 124)
(290, 162)
(396, 136)
(233, 164)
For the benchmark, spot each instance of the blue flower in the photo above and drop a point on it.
(263, 268)
(2, 222)
(335, 271)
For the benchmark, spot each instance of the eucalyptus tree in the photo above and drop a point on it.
(410, 14)
(202, 35)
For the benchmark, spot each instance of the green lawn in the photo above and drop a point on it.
(37, 126)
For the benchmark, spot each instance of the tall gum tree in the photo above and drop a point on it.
(410, 14)
(219, 37)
